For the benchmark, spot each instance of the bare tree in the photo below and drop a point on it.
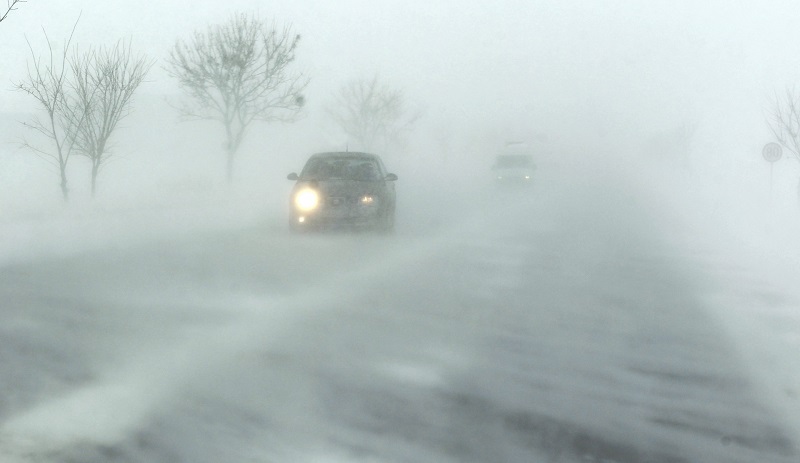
(372, 114)
(10, 6)
(239, 72)
(784, 122)
(46, 83)
(105, 80)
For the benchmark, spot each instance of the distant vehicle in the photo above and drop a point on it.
(342, 189)
(513, 168)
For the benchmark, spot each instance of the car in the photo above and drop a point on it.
(513, 168)
(342, 190)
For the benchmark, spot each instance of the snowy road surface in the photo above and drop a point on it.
(575, 324)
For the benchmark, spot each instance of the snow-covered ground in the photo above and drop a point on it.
(611, 318)
(748, 252)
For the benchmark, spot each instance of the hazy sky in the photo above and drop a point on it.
(622, 68)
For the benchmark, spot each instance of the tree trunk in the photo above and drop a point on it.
(234, 136)
(64, 189)
(229, 151)
(95, 170)
(229, 165)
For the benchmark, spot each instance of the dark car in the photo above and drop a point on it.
(342, 189)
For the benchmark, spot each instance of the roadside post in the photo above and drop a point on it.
(772, 152)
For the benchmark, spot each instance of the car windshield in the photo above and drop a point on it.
(349, 168)
(509, 161)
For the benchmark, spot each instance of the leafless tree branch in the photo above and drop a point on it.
(372, 114)
(105, 80)
(46, 83)
(237, 73)
(784, 120)
(10, 6)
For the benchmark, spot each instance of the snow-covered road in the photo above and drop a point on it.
(574, 324)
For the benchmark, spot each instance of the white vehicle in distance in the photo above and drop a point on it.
(514, 165)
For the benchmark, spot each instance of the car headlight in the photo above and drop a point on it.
(367, 200)
(306, 199)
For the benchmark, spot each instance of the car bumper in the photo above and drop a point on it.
(513, 180)
(326, 219)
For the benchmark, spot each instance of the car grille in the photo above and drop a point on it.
(338, 201)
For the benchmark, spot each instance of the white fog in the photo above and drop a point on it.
(633, 301)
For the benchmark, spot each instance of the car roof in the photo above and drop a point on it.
(345, 154)
(514, 155)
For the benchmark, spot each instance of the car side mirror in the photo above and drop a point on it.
(391, 177)
(292, 176)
